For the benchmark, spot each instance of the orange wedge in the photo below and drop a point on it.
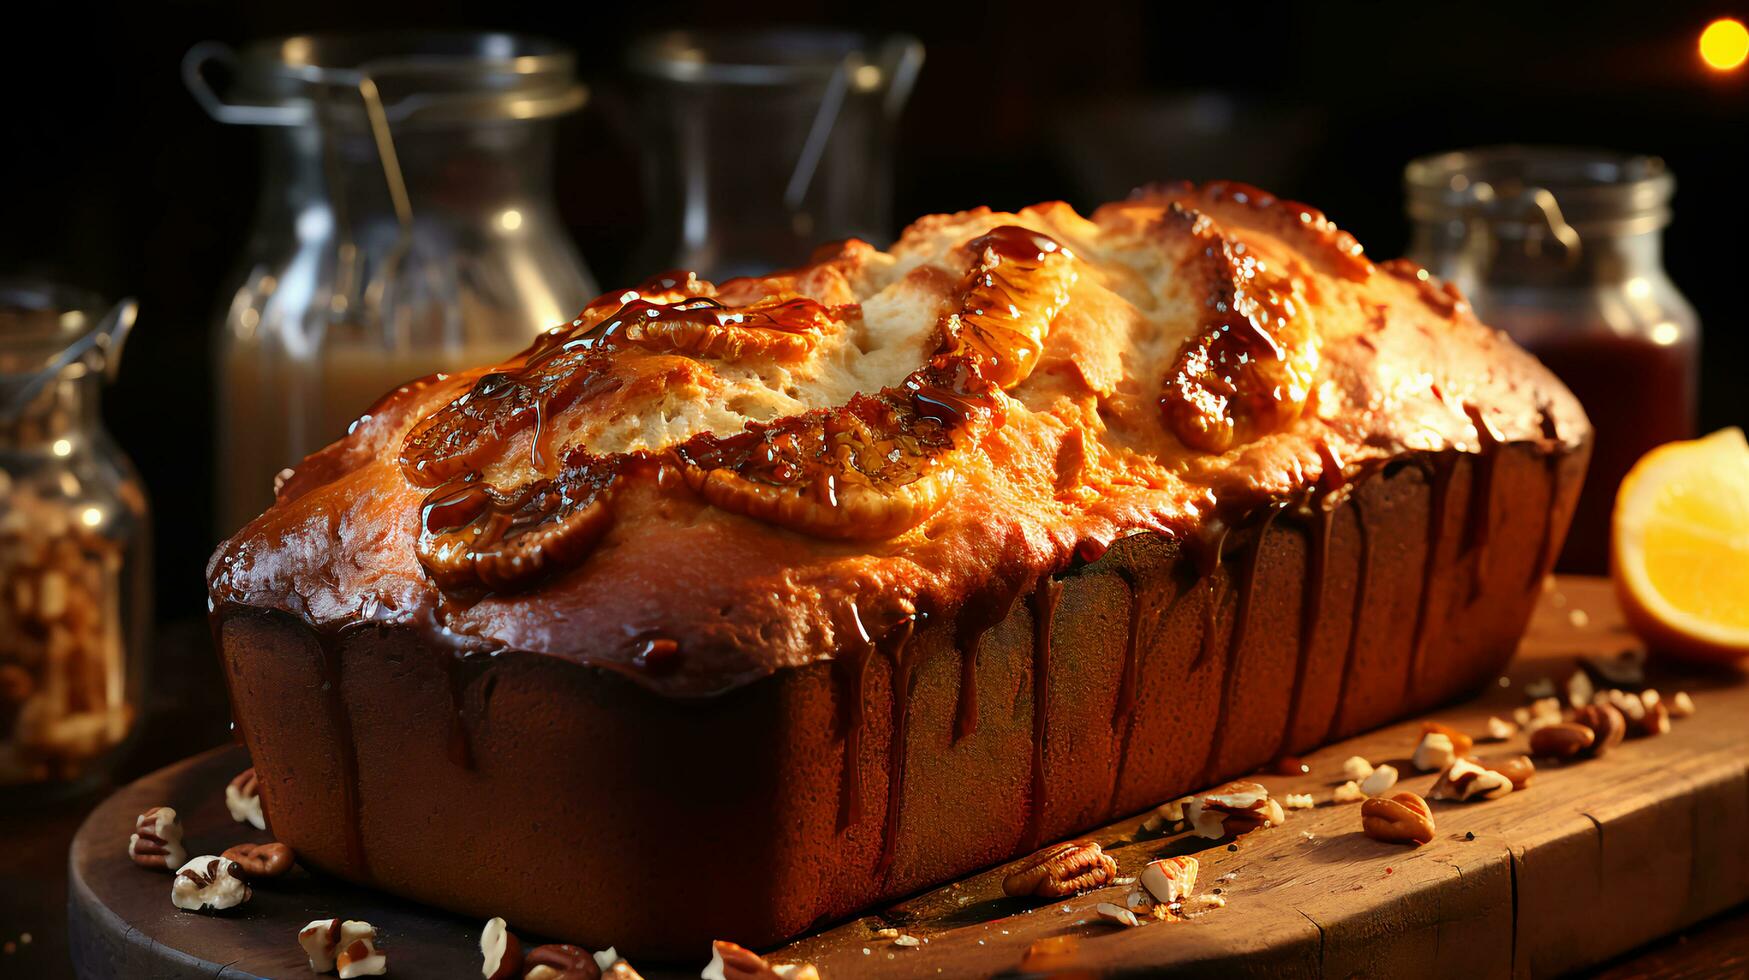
(1680, 555)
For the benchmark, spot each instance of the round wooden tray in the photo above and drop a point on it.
(123, 925)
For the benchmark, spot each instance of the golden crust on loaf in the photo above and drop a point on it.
(697, 484)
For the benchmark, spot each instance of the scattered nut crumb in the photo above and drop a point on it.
(1681, 705)
(1382, 779)
(1435, 752)
(157, 840)
(1170, 879)
(1117, 914)
(1499, 729)
(209, 882)
(1348, 792)
(888, 933)
(1299, 801)
(1579, 618)
(908, 941)
(1356, 768)
(1521, 716)
(1579, 689)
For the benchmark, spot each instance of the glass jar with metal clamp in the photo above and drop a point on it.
(1562, 248)
(762, 144)
(75, 576)
(406, 226)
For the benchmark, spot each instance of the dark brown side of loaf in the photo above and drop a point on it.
(599, 813)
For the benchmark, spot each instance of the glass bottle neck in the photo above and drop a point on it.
(1475, 254)
(447, 171)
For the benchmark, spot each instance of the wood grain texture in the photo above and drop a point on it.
(1589, 861)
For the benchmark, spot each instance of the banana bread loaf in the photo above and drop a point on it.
(729, 608)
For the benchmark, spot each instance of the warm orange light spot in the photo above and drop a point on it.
(1724, 45)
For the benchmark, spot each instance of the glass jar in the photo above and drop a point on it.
(75, 585)
(762, 144)
(406, 226)
(1562, 249)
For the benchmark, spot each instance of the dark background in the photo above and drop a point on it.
(115, 179)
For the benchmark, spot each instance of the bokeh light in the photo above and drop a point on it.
(1724, 45)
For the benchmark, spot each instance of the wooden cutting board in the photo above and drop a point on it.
(1591, 860)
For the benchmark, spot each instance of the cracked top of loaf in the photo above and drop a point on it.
(698, 484)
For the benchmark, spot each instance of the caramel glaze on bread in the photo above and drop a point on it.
(696, 486)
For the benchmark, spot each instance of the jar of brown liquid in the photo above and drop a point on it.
(1562, 249)
(406, 226)
(75, 586)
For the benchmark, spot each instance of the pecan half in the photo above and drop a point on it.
(1655, 721)
(1518, 768)
(157, 840)
(261, 860)
(733, 962)
(472, 535)
(1400, 819)
(1467, 779)
(1608, 726)
(560, 961)
(1561, 740)
(1064, 869)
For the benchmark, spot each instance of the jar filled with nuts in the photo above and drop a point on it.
(74, 546)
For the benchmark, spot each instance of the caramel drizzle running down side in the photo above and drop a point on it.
(1441, 467)
(1123, 720)
(978, 615)
(1206, 550)
(898, 643)
(1236, 638)
(329, 664)
(852, 667)
(1362, 586)
(1545, 553)
(1479, 518)
(1044, 614)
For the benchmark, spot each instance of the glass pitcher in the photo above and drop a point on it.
(1563, 249)
(765, 143)
(406, 226)
(75, 583)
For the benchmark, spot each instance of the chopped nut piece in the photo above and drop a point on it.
(1561, 740)
(909, 941)
(1166, 816)
(1606, 724)
(1063, 869)
(157, 840)
(361, 958)
(1654, 720)
(208, 882)
(1116, 913)
(243, 799)
(1299, 801)
(1234, 808)
(1579, 689)
(1499, 729)
(500, 951)
(1461, 743)
(1356, 768)
(562, 961)
(887, 933)
(1544, 711)
(1467, 780)
(1401, 819)
(1521, 716)
(1193, 907)
(1349, 792)
(1170, 879)
(1542, 687)
(1518, 769)
(1650, 696)
(1382, 779)
(1435, 752)
(1681, 705)
(261, 860)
